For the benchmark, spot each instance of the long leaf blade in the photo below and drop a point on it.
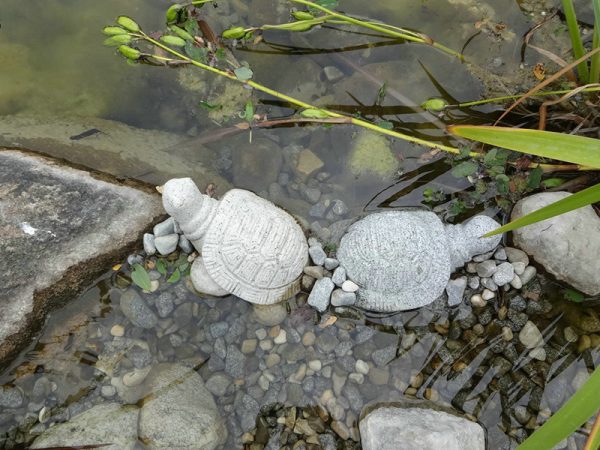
(584, 403)
(547, 144)
(581, 198)
(576, 44)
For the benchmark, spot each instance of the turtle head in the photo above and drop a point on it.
(466, 241)
(191, 209)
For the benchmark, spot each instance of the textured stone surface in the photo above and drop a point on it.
(60, 228)
(105, 423)
(567, 245)
(180, 412)
(319, 297)
(393, 428)
(403, 259)
(250, 247)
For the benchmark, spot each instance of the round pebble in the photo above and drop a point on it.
(117, 330)
(478, 301)
(349, 286)
(281, 338)
(361, 367)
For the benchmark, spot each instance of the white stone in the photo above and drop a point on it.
(538, 353)
(478, 301)
(530, 335)
(361, 367)
(281, 338)
(504, 274)
(516, 282)
(519, 267)
(403, 259)
(516, 255)
(528, 275)
(349, 286)
(339, 276)
(342, 298)
(413, 428)
(487, 295)
(250, 247)
(315, 365)
(455, 290)
(320, 294)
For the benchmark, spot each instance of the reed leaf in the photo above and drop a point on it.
(584, 403)
(576, 44)
(578, 200)
(547, 144)
(595, 61)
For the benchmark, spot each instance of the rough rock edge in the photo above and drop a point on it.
(77, 278)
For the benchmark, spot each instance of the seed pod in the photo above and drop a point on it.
(129, 52)
(172, 40)
(118, 39)
(298, 26)
(302, 15)
(312, 113)
(128, 23)
(173, 12)
(112, 31)
(434, 104)
(234, 33)
(181, 33)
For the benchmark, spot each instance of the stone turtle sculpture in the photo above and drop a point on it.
(249, 247)
(403, 259)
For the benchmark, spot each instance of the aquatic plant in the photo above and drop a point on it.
(586, 73)
(579, 408)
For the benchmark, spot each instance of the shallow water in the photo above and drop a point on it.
(59, 68)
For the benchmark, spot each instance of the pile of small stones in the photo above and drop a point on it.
(291, 428)
(166, 236)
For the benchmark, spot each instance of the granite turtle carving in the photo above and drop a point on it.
(248, 246)
(403, 259)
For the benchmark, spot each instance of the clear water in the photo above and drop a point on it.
(55, 67)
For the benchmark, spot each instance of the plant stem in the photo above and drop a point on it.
(595, 61)
(578, 50)
(300, 103)
(512, 97)
(382, 29)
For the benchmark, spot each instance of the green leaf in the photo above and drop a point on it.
(175, 276)
(161, 267)
(573, 296)
(502, 183)
(243, 73)
(191, 25)
(495, 157)
(535, 178)
(131, 54)
(140, 277)
(552, 182)
(434, 104)
(118, 39)
(464, 152)
(385, 124)
(183, 267)
(563, 147)
(313, 113)
(249, 111)
(173, 40)
(112, 31)
(584, 403)
(581, 198)
(128, 23)
(204, 104)
(196, 53)
(464, 169)
(181, 33)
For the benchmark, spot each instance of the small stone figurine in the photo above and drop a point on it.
(249, 247)
(403, 259)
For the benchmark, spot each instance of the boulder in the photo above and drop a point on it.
(107, 423)
(418, 428)
(179, 413)
(61, 228)
(567, 245)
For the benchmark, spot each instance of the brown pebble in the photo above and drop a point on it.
(478, 329)
(274, 331)
(502, 312)
(584, 343)
(416, 380)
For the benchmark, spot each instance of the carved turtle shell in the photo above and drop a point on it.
(399, 259)
(254, 249)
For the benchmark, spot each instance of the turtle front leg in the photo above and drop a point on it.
(203, 282)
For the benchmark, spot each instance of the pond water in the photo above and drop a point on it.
(345, 359)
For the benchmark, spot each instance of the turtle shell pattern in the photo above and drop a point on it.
(254, 249)
(399, 259)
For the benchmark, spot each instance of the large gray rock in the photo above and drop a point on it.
(60, 228)
(107, 423)
(403, 259)
(414, 428)
(179, 413)
(567, 245)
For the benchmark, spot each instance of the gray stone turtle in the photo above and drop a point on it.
(249, 247)
(403, 259)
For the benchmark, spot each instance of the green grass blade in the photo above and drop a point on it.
(578, 50)
(595, 61)
(571, 416)
(563, 147)
(595, 444)
(581, 198)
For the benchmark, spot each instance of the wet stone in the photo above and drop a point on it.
(384, 356)
(455, 290)
(517, 303)
(234, 362)
(164, 304)
(10, 397)
(137, 310)
(327, 341)
(166, 244)
(530, 335)
(148, 242)
(504, 274)
(486, 269)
